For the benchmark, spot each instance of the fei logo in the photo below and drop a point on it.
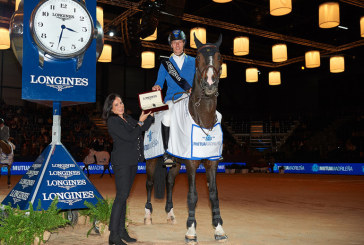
(315, 168)
(208, 137)
(149, 135)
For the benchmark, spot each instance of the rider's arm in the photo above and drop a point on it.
(162, 73)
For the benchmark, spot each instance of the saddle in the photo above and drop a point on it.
(5, 147)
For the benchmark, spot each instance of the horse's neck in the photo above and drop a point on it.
(202, 109)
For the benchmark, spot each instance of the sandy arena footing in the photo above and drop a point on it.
(257, 209)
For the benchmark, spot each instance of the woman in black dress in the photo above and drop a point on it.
(126, 133)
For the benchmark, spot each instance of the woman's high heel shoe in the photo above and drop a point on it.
(114, 238)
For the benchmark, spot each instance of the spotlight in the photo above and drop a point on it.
(111, 33)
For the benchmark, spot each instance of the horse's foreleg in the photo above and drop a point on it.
(171, 177)
(211, 169)
(150, 167)
(191, 236)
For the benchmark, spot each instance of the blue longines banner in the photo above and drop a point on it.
(321, 168)
(53, 174)
(20, 168)
(59, 51)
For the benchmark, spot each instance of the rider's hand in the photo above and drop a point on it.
(156, 88)
(144, 116)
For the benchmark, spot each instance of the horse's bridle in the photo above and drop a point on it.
(202, 73)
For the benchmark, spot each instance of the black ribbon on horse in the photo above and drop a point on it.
(175, 75)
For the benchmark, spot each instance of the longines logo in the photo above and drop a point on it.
(59, 83)
(63, 16)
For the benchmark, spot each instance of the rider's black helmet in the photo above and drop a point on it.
(176, 35)
(1, 121)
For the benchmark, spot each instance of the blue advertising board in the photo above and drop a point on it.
(54, 174)
(20, 168)
(321, 168)
(51, 72)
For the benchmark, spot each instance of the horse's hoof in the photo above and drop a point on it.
(171, 220)
(221, 238)
(147, 221)
(191, 240)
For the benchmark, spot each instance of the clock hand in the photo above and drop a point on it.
(70, 29)
(60, 36)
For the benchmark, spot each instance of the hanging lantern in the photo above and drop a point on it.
(152, 37)
(200, 33)
(251, 75)
(148, 58)
(337, 64)
(221, 1)
(241, 46)
(4, 38)
(362, 26)
(106, 54)
(17, 4)
(312, 59)
(223, 70)
(274, 78)
(329, 15)
(280, 7)
(100, 16)
(279, 52)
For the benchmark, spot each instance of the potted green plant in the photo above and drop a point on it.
(99, 215)
(29, 226)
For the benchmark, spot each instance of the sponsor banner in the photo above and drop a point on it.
(54, 174)
(58, 79)
(321, 168)
(20, 168)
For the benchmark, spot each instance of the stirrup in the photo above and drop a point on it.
(167, 160)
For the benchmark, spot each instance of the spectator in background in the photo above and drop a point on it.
(4, 131)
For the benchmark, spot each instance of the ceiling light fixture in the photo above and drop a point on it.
(200, 33)
(4, 38)
(106, 54)
(148, 59)
(312, 59)
(251, 75)
(223, 70)
(337, 64)
(241, 46)
(329, 15)
(279, 52)
(221, 1)
(280, 7)
(274, 78)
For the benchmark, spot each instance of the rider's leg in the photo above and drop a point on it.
(166, 123)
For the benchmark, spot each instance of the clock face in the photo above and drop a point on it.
(62, 28)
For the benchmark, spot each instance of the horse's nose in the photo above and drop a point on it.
(210, 74)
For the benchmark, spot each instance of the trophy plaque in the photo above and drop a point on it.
(152, 101)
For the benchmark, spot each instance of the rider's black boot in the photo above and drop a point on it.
(167, 159)
(125, 236)
(115, 238)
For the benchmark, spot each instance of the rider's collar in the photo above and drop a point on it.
(179, 56)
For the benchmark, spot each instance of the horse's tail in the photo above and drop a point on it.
(160, 174)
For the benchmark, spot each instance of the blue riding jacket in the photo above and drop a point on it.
(187, 72)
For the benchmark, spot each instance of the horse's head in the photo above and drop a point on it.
(208, 66)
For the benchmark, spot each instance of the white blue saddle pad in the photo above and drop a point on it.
(187, 140)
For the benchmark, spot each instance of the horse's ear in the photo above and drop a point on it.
(218, 43)
(198, 43)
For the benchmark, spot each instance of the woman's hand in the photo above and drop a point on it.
(144, 116)
(156, 88)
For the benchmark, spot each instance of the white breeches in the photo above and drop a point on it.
(166, 120)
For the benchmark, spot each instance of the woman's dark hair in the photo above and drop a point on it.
(108, 105)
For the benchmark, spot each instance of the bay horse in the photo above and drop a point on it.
(202, 108)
